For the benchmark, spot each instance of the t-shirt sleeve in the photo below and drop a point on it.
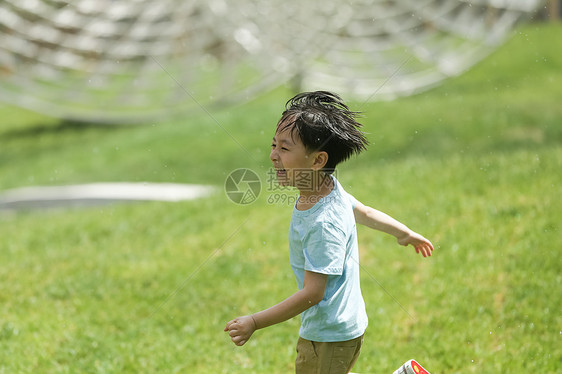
(324, 249)
(352, 200)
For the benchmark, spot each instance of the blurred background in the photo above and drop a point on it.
(116, 61)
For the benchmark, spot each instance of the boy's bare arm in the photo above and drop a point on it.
(241, 329)
(378, 220)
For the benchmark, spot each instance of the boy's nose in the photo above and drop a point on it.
(273, 155)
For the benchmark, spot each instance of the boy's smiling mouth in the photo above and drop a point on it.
(281, 173)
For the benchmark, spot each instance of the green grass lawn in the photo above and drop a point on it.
(474, 165)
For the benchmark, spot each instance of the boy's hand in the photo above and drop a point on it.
(421, 244)
(241, 329)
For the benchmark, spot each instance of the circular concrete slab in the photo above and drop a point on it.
(98, 193)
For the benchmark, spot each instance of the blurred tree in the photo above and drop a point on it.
(554, 8)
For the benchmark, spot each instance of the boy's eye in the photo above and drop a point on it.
(282, 148)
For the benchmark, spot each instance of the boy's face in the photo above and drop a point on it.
(292, 162)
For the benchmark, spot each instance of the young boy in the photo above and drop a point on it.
(316, 132)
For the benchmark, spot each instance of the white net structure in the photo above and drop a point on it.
(128, 61)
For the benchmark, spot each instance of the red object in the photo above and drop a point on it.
(418, 368)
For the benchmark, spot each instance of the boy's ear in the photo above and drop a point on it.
(320, 160)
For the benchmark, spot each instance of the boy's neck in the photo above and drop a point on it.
(322, 185)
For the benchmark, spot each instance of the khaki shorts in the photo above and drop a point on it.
(327, 358)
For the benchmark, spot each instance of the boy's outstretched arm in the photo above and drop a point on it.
(241, 329)
(378, 220)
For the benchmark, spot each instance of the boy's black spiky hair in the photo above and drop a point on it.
(323, 122)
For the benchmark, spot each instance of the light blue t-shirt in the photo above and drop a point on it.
(323, 239)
